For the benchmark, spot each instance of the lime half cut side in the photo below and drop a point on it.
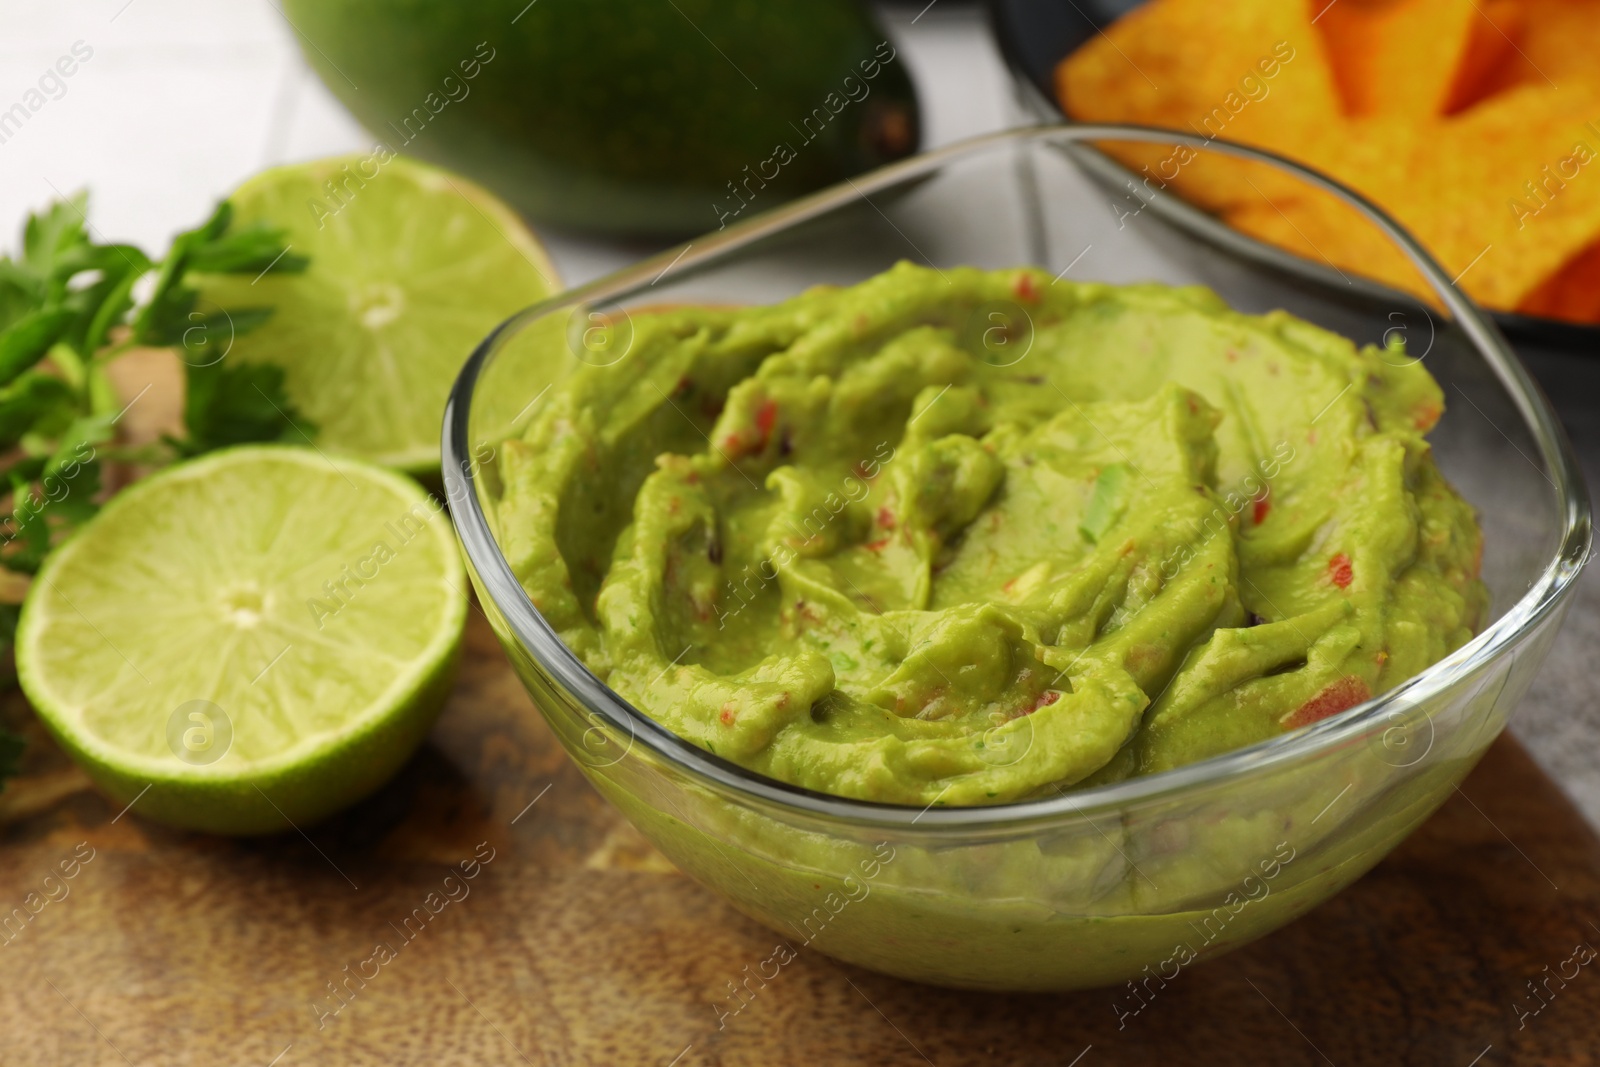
(248, 641)
(411, 267)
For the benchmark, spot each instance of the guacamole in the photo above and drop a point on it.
(964, 537)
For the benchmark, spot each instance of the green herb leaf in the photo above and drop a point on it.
(20, 292)
(254, 249)
(51, 235)
(209, 247)
(25, 341)
(62, 301)
(27, 541)
(234, 404)
(105, 301)
(69, 490)
(35, 402)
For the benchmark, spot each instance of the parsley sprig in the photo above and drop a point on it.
(69, 306)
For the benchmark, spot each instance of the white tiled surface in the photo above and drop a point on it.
(182, 99)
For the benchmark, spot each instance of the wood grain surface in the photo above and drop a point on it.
(576, 943)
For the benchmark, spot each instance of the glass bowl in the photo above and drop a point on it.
(1128, 881)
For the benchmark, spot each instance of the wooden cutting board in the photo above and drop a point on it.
(576, 943)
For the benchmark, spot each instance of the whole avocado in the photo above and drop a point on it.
(646, 117)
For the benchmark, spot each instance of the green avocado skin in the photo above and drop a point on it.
(629, 117)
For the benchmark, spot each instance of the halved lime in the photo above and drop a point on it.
(411, 267)
(248, 641)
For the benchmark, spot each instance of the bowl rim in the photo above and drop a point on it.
(1542, 598)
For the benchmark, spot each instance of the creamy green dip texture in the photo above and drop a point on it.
(966, 537)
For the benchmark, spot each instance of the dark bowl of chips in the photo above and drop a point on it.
(1473, 122)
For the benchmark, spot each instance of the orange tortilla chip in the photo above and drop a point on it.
(1571, 293)
(1375, 158)
(1554, 42)
(1508, 191)
(1476, 123)
(1379, 65)
(1332, 234)
(1491, 49)
(1249, 72)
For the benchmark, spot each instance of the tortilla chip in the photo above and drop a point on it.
(1571, 293)
(1334, 235)
(1252, 73)
(1377, 64)
(1510, 192)
(1489, 162)
(1554, 43)
(1491, 49)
